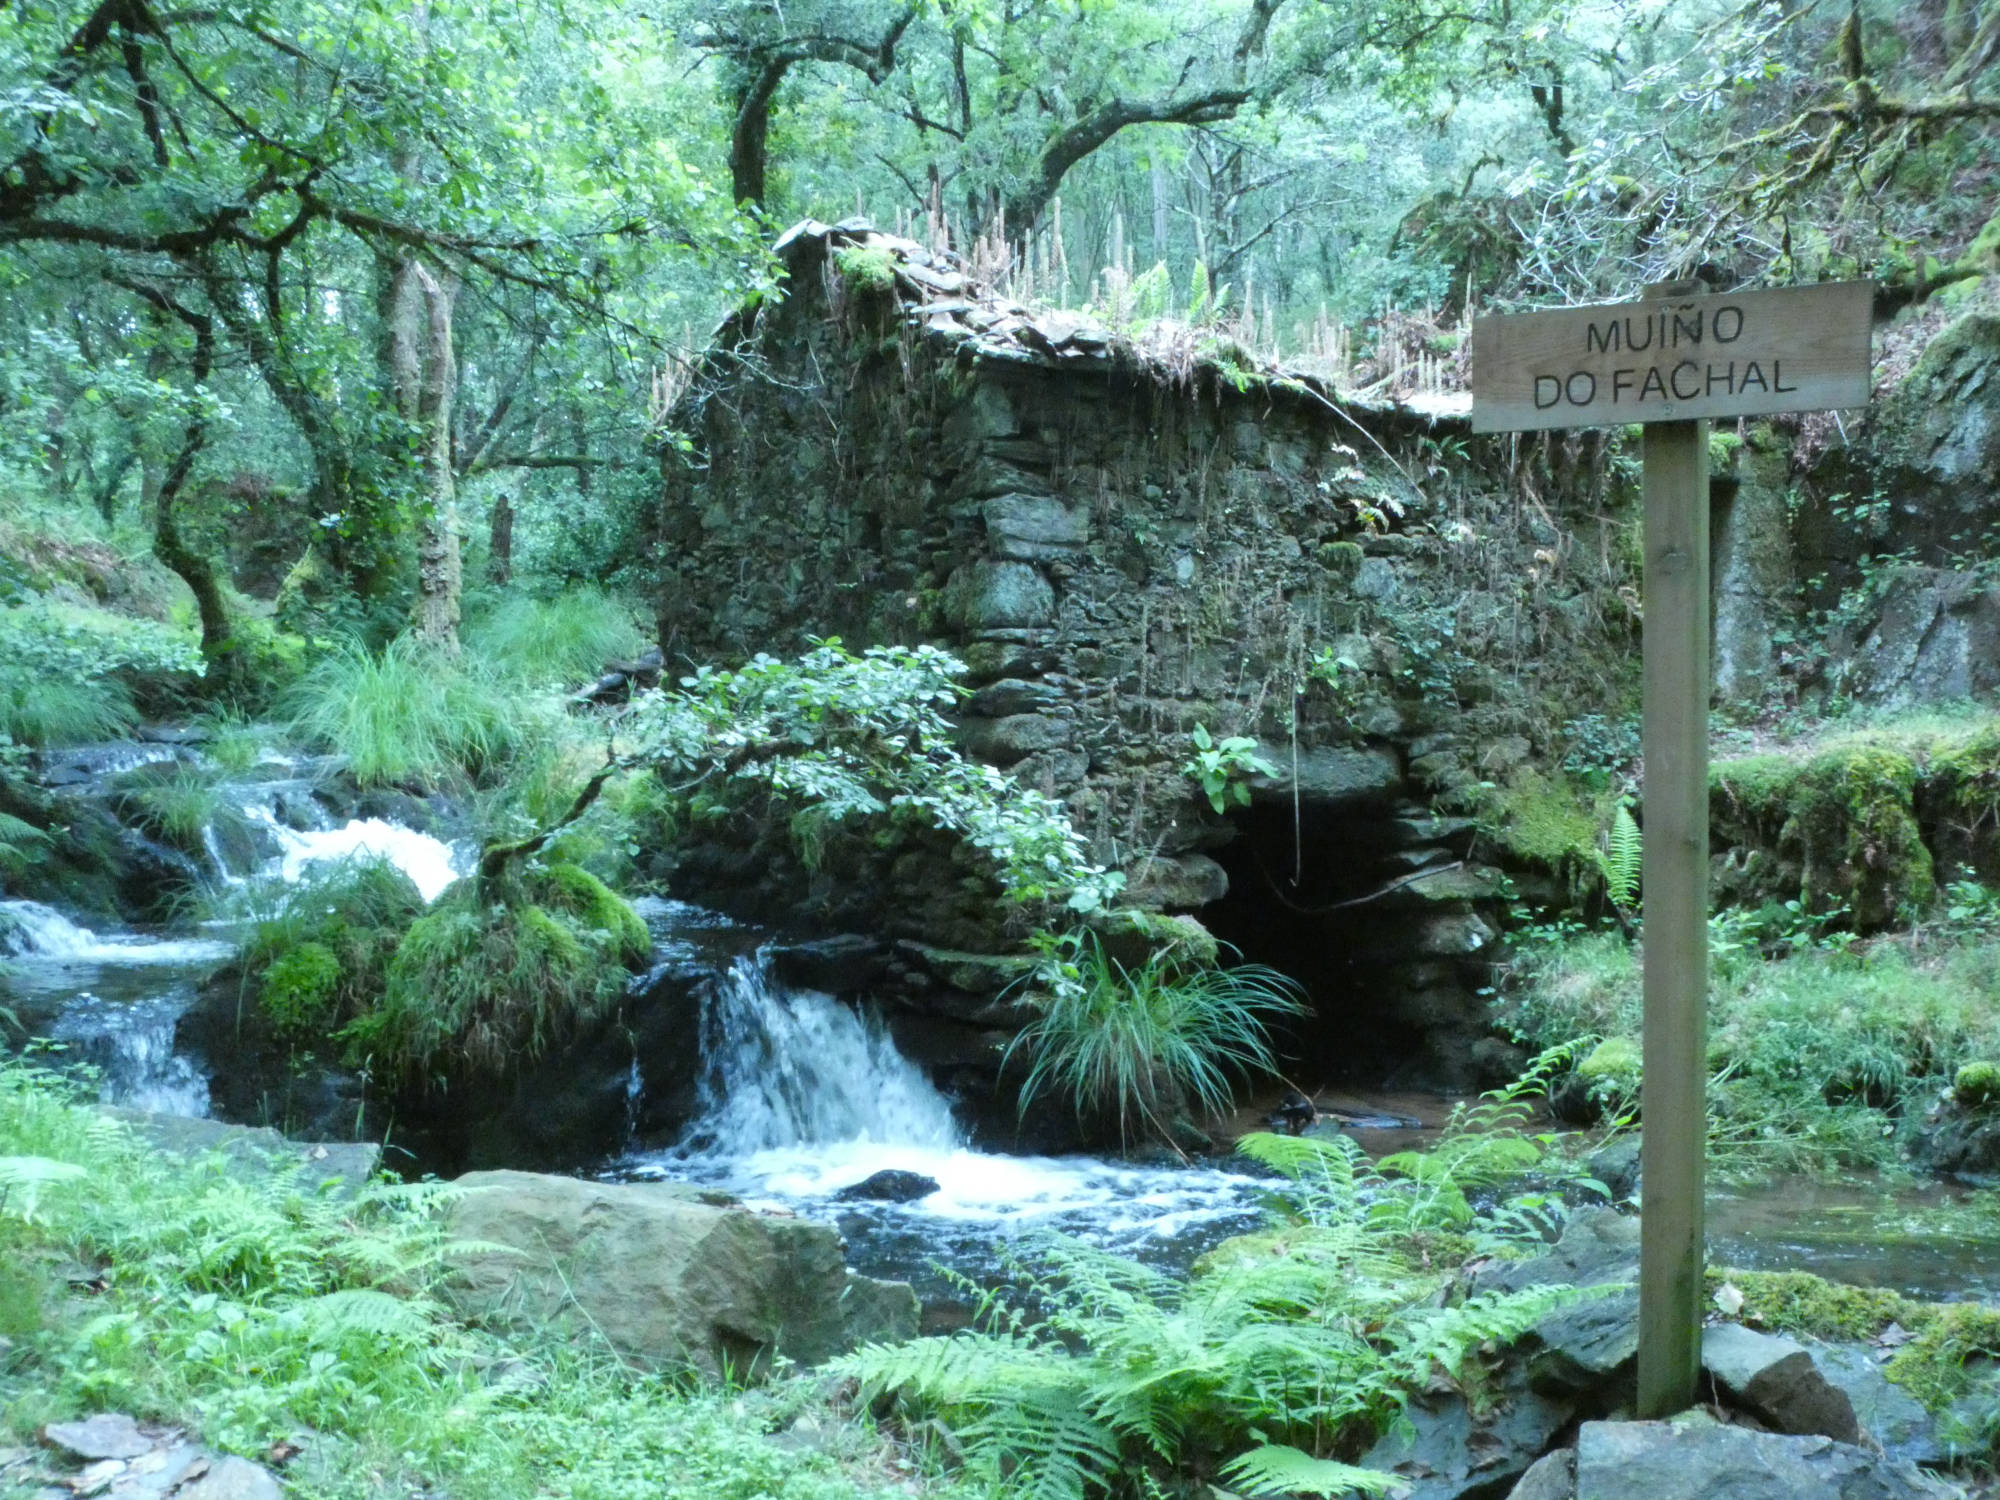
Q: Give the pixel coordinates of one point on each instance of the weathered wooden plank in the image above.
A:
(1674, 358)
(1673, 1105)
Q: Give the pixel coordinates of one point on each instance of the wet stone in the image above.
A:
(106, 1435)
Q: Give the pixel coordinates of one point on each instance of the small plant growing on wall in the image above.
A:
(1224, 768)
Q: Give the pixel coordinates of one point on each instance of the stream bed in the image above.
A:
(802, 1096)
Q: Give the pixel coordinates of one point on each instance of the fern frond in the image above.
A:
(1621, 858)
(358, 1312)
(1276, 1469)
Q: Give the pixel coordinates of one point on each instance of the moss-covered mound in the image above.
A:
(322, 959)
(476, 990)
(1836, 830)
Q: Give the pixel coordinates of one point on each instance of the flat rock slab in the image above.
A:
(106, 1435)
(232, 1479)
(1550, 1477)
(255, 1149)
(1776, 1381)
(110, 1456)
(1696, 1458)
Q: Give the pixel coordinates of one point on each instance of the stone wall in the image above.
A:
(1124, 543)
(1129, 539)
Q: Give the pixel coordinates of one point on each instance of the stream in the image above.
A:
(801, 1096)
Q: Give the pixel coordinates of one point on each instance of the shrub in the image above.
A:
(56, 662)
(1152, 1041)
(301, 992)
(566, 639)
(407, 714)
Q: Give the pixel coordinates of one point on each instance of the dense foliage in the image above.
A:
(1283, 1356)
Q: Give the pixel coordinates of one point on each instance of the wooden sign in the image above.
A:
(1674, 359)
(1671, 362)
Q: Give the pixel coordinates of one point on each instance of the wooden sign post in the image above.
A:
(1671, 362)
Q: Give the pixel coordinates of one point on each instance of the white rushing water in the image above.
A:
(802, 1096)
(430, 863)
(787, 1068)
(31, 931)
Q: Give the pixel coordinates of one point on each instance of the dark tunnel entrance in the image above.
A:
(1393, 967)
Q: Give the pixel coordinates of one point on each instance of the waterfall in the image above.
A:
(430, 863)
(784, 1067)
(131, 1045)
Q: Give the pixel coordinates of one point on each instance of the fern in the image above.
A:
(1620, 859)
(1274, 1468)
(331, 1319)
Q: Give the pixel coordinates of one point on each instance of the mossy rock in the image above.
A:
(1547, 821)
(1841, 826)
(1613, 1063)
(868, 270)
(1961, 792)
(1977, 1085)
(577, 893)
(1131, 936)
(301, 991)
(480, 991)
(1938, 1364)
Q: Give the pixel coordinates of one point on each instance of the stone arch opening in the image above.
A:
(1375, 907)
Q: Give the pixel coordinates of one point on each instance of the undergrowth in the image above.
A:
(564, 640)
(406, 715)
(1282, 1357)
(1823, 1050)
(260, 1310)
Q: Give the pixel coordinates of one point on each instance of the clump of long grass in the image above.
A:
(41, 709)
(408, 714)
(1151, 1042)
(177, 804)
(564, 639)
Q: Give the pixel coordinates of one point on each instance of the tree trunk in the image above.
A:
(196, 571)
(500, 544)
(424, 371)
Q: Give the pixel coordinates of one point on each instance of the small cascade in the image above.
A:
(130, 1044)
(430, 863)
(30, 931)
(786, 1068)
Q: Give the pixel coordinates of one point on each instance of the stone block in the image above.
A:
(999, 596)
(1776, 1381)
(1035, 528)
(1696, 1458)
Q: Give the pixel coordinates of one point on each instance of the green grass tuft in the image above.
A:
(407, 715)
(49, 711)
(561, 641)
(1151, 1042)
